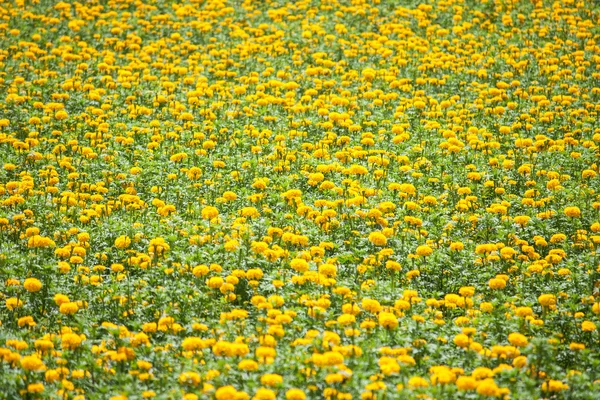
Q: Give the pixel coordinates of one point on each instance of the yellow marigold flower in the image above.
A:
(554, 386)
(229, 196)
(371, 305)
(461, 340)
(231, 245)
(295, 394)
(466, 383)
(346, 319)
(190, 378)
(60, 115)
(377, 238)
(329, 270)
(178, 157)
(264, 394)
(576, 346)
(122, 242)
(457, 246)
(271, 379)
(558, 238)
(393, 265)
(521, 220)
(145, 365)
(248, 365)
(32, 285)
(573, 212)
(61, 299)
(547, 300)
(71, 341)
(417, 382)
(482, 373)
(424, 251)
(215, 282)
(299, 265)
(35, 387)
(496, 283)
(520, 362)
(209, 212)
(419, 104)
(69, 308)
(357, 170)
(226, 393)
(488, 387)
(43, 345)
(26, 321)
(333, 358)
(193, 343)
(588, 173)
(149, 327)
(588, 326)
(517, 339)
(388, 320)
(186, 116)
(254, 274)
(200, 270)
(12, 282)
(32, 363)
(13, 303)
(40, 241)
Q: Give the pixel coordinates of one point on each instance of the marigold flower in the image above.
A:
(71, 341)
(271, 379)
(371, 305)
(554, 386)
(547, 300)
(35, 387)
(424, 251)
(60, 299)
(122, 242)
(417, 382)
(388, 320)
(466, 383)
(32, 285)
(209, 212)
(295, 394)
(26, 321)
(517, 339)
(573, 212)
(299, 265)
(190, 378)
(32, 363)
(248, 365)
(496, 283)
(488, 387)
(264, 394)
(226, 393)
(461, 340)
(13, 303)
(588, 326)
(68, 308)
(377, 239)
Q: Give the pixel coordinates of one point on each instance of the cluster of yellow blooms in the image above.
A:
(340, 199)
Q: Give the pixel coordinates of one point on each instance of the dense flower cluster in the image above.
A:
(340, 199)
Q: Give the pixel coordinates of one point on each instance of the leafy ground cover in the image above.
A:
(299, 200)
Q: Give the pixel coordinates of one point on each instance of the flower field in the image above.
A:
(299, 200)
